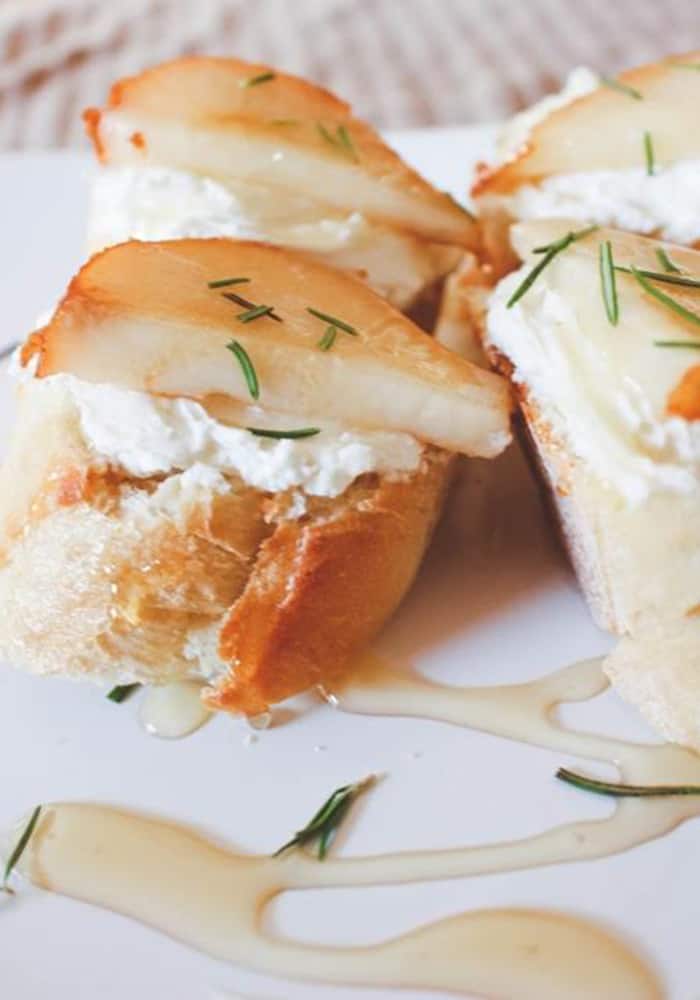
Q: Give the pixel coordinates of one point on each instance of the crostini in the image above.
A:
(227, 465)
(601, 343)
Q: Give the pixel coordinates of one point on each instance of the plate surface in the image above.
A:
(494, 603)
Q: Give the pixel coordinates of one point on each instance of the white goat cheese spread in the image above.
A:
(148, 435)
(161, 203)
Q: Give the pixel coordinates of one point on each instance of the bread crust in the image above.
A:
(322, 586)
(109, 576)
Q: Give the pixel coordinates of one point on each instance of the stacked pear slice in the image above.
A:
(143, 316)
(605, 129)
(242, 123)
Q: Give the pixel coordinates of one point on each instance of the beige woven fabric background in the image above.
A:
(400, 62)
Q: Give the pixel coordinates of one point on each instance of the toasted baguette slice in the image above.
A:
(124, 574)
(125, 579)
(659, 672)
(612, 418)
(141, 315)
(604, 130)
(203, 115)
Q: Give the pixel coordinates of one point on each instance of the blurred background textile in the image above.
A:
(399, 62)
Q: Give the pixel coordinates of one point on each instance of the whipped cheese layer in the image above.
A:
(599, 390)
(666, 204)
(148, 435)
(161, 203)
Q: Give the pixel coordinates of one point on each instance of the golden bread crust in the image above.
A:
(322, 586)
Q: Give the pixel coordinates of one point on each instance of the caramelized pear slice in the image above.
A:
(604, 130)
(203, 115)
(142, 316)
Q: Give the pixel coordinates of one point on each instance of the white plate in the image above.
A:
(495, 602)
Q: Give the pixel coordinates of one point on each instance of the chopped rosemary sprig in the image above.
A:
(19, 849)
(324, 825)
(345, 141)
(121, 692)
(671, 279)
(550, 250)
(328, 339)
(564, 240)
(253, 81)
(302, 432)
(247, 368)
(607, 281)
(240, 301)
(340, 141)
(666, 262)
(283, 121)
(649, 154)
(255, 313)
(223, 282)
(692, 345)
(622, 87)
(333, 321)
(666, 300)
(623, 791)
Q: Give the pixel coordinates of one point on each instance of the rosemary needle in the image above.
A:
(253, 81)
(247, 304)
(607, 281)
(19, 848)
(565, 240)
(121, 692)
(333, 321)
(550, 250)
(664, 299)
(324, 825)
(649, 154)
(346, 142)
(692, 345)
(666, 261)
(223, 282)
(247, 368)
(623, 88)
(255, 313)
(328, 339)
(671, 279)
(340, 141)
(621, 790)
(301, 432)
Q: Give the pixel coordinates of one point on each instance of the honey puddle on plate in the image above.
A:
(171, 711)
(211, 898)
